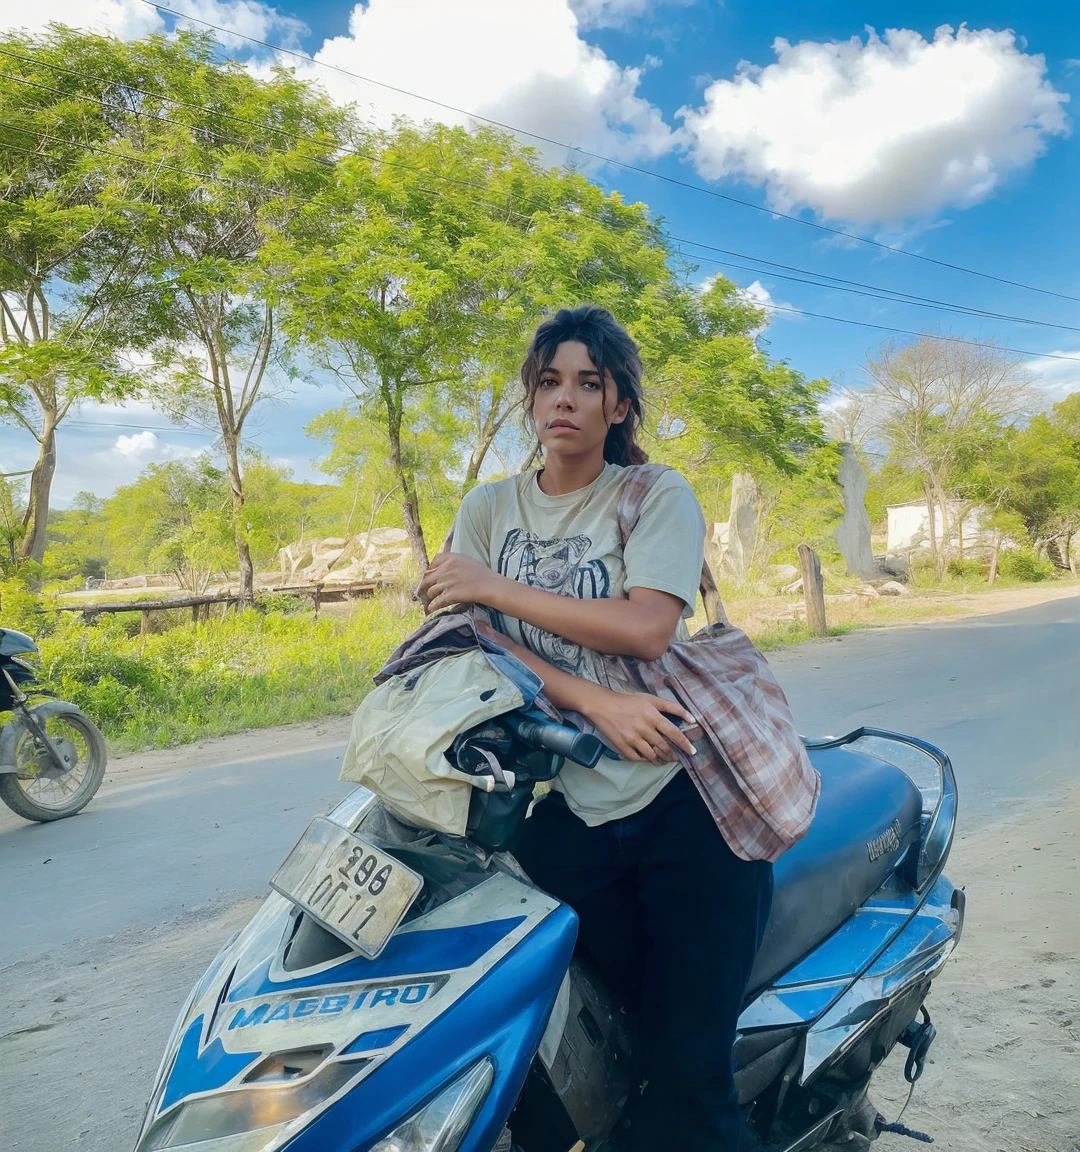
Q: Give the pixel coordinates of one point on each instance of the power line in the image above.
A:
(820, 316)
(912, 302)
(648, 172)
(912, 332)
(138, 427)
(894, 294)
(853, 287)
(871, 290)
(770, 307)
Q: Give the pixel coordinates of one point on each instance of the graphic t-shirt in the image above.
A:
(570, 545)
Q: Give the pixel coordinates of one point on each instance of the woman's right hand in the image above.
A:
(637, 725)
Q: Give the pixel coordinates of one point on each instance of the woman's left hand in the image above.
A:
(455, 579)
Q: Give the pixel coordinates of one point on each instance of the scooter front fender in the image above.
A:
(9, 734)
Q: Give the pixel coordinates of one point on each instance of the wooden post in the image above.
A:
(813, 589)
(994, 558)
(715, 613)
(144, 623)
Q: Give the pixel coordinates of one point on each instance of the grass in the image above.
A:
(246, 670)
(116, 595)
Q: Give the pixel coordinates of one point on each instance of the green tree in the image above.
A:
(724, 405)
(358, 458)
(72, 248)
(426, 268)
(565, 241)
(1034, 473)
(938, 407)
(226, 161)
(12, 528)
(173, 517)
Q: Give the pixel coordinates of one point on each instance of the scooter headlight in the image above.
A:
(441, 1125)
(248, 1119)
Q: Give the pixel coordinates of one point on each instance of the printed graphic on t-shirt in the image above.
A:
(555, 566)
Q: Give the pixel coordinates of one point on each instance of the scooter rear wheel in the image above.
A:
(39, 790)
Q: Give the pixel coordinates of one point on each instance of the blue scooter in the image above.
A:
(405, 991)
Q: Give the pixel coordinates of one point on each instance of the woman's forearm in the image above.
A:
(563, 689)
(615, 627)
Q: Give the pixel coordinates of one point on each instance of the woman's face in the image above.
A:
(572, 409)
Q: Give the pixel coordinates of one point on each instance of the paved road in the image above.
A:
(150, 876)
(998, 693)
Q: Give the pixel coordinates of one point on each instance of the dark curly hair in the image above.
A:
(613, 351)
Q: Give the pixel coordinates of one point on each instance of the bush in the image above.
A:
(249, 670)
(287, 603)
(1026, 565)
(20, 607)
(969, 569)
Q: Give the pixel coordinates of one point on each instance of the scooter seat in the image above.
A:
(868, 814)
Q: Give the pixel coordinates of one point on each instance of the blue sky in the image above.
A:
(955, 143)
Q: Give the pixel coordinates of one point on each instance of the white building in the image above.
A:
(909, 527)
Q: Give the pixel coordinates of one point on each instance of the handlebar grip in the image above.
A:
(561, 740)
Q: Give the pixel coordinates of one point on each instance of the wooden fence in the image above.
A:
(201, 605)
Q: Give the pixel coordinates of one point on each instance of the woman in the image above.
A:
(668, 913)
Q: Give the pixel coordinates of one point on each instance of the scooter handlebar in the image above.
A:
(559, 739)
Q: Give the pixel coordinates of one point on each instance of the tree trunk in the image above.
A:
(243, 551)
(36, 517)
(487, 428)
(410, 504)
(932, 523)
(944, 541)
(479, 453)
(476, 461)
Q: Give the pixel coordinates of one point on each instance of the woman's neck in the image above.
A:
(561, 476)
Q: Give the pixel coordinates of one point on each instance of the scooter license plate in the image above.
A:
(353, 889)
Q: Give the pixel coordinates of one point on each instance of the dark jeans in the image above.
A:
(673, 919)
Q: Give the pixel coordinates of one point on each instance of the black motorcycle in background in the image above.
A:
(52, 757)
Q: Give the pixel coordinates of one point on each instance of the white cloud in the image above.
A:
(758, 295)
(130, 19)
(1056, 379)
(891, 129)
(125, 18)
(521, 64)
(141, 446)
(244, 18)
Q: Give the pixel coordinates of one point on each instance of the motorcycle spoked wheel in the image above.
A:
(38, 790)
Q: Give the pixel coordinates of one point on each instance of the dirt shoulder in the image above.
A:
(779, 621)
(251, 744)
(994, 599)
(1006, 1071)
